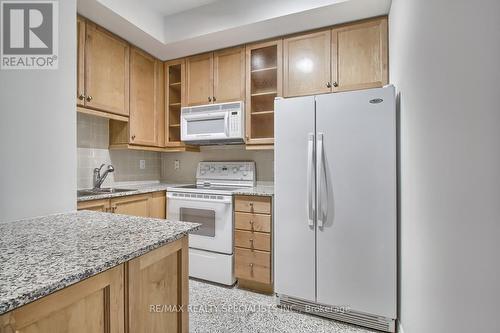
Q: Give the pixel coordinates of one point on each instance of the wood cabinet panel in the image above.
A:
(93, 305)
(106, 71)
(252, 265)
(175, 89)
(160, 112)
(252, 222)
(143, 94)
(252, 204)
(159, 277)
(157, 207)
(306, 64)
(229, 75)
(135, 205)
(252, 240)
(81, 33)
(199, 79)
(359, 55)
(95, 205)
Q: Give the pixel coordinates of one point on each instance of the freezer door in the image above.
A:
(294, 236)
(356, 234)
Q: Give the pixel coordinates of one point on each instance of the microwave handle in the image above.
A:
(226, 124)
(204, 116)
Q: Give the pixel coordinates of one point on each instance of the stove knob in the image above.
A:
(235, 169)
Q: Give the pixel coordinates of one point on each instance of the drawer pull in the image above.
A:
(251, 269)
(251, 244)
(251, 225)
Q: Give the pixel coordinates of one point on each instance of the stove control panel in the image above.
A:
(226, 171)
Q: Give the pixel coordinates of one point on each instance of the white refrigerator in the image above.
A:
(336, 206)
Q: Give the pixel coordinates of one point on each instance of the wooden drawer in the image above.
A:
(253, 265)
(253, 204)
(252, 240)
(252, 222)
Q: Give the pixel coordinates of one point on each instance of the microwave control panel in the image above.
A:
(235, 124)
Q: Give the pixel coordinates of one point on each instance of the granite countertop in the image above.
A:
(261, 188)
(138, 189)
(39, 256)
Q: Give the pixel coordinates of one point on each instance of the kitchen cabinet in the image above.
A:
(117, 300)
(106, 71)
(146, 95)
(93, 305)
(95, 205)
(263, 85)
(216, 77)
(307, 64)
(348, 57)
(80, 60)
(145, 205)
(159, 278)
(253, 242)
(359, 55)
(175, 92)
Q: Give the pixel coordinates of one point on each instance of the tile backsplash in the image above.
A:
(92, 151)
(264, 160)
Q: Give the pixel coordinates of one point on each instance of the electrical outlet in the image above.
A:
(177, 164)
(142, 164)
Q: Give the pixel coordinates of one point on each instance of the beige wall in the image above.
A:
(93, 141)
(189, 161)
(445, 62)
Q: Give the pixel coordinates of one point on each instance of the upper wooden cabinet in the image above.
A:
(263, 75)
(350, 57)
(306, 64)
(360, 55)
(199, 79)
(216, 77)
(146, 96)
(80, 35)
(175, 91)
(106, 71)
(229, 75)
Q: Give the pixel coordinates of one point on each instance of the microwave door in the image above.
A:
(213, 126)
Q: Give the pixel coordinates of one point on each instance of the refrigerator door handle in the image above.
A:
(310, 179)
(322, 199)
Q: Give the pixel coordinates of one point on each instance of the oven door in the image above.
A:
(205, 126)
(213, 212)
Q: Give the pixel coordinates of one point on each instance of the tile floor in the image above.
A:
(219, 309)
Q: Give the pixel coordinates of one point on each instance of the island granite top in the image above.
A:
(39, 256)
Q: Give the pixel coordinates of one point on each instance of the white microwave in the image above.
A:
(213, 123)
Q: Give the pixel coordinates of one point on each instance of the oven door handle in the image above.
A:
(225, 199)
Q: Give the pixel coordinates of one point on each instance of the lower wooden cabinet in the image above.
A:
(253, 243)
(93, 305)
(146, 294)
(144, 205)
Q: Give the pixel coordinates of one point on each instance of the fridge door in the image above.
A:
(356, 234)
(294, 236)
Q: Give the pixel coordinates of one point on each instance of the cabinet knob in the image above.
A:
(209, 99)
(133, 137)
(213, 98)
(89, 98)
(328, 85)
(335, 84)
(81, 97)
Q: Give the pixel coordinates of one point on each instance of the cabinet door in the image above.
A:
(159, 277)
(359, 55)
(95, 205)
(229, 75)
(93, 305)
(199, 79)
(306, 64)
(143, 92)
(106, 71)
(136, 205)
(157, 206)
(80, 35)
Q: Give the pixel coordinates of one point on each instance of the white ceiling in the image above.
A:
(170, 29)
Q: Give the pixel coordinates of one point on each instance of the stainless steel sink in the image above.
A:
(97, 191)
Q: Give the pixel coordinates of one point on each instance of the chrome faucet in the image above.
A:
(98, 179)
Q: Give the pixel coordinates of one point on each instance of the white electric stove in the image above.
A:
(210, 203)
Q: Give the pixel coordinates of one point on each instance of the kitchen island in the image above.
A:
(93, 272)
